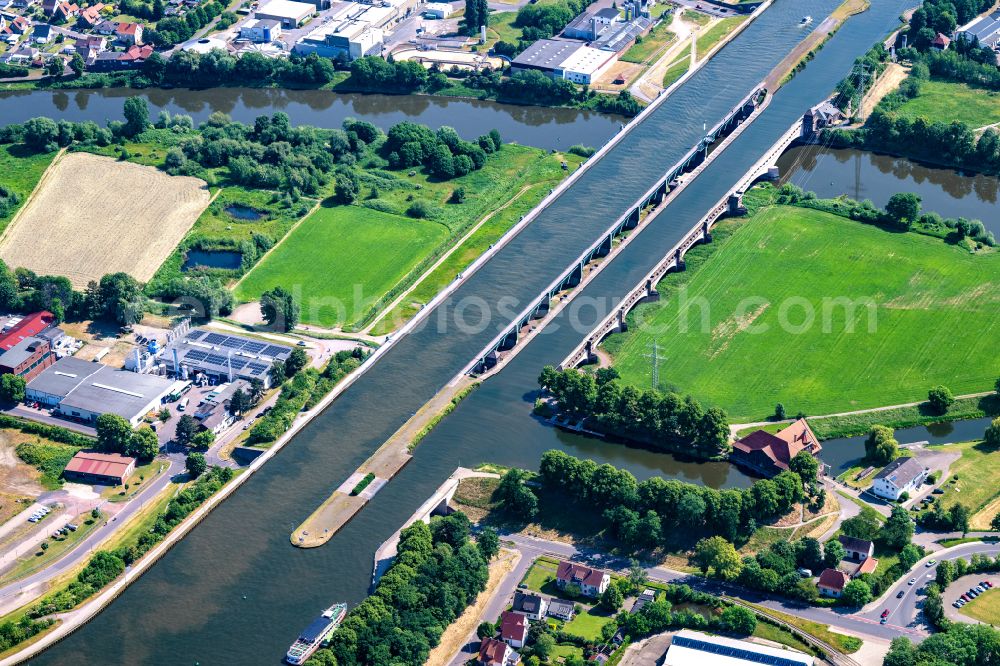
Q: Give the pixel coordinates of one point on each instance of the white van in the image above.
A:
(184, 403)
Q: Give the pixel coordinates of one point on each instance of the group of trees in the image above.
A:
(171, 30)
(376, 74)
(477, 14)
(934, 16)
(660, 615)
(443, 152)
(960, 644)
(953, 519)
(881, 447)
(437, 573)
(279, 309)
(306, 387)
(117, 297)
(217, 67)
(656, 511)
(864, 72)
(665, 421)
(105, 566)
(115, 435)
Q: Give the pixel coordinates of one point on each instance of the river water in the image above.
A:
(862, 175)
(530, 125)
(235, 592)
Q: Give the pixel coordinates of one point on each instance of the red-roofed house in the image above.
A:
(513, 629)
(770, 454)
(102, 468)
(591, 581)
(941, 42)
(867, 567)
(28, 327)
(90, 16)
(493, 652)
(831, 583)
(129, 33)
(19, 25)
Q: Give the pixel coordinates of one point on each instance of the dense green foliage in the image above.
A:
(658, 511)
(666, 421)
(52, 432)
(437, 573)
(960, 645)
(49, 459)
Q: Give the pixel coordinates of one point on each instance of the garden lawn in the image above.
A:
(734, 344)
(340, 261)
(588, 624)
(945, 102)
(976, 487)
(985, 608)
(20, 171)
(541, 574)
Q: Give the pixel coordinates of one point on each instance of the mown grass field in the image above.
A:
(752, 345)
(341, 260)
(20, 171)
(652, 44)
(976, 486)
(717, 33)
(545, 174)
(945, 101)
(677, 69)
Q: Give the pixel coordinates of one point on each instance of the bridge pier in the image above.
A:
(622, 325)
(542, 308)
(679, 264)
(706, 232)
(509, 340)
(632, 221)
(589, 356)
(605, 247)
(736, 206)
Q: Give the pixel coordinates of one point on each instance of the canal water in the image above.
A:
(235, 592)
(831, 172)
(529, 125)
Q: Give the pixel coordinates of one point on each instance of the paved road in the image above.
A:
(18, 593)
(903, 618)
(44, 416)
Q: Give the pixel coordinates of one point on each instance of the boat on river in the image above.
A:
(316, 635)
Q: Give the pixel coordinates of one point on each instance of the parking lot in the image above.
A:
(953, 594)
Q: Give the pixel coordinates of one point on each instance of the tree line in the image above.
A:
(665, 421)
(436, 574)
(656, 512)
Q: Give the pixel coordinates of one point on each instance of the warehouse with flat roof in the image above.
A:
(288, 13)
(82, 391)
(693, 648)
(222, 357)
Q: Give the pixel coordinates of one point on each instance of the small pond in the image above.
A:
(243, 212)
(227, 259)
(845, 452)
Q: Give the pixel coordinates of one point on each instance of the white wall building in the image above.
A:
(261, 31)
(288, 13)
(902, 475)
(585, 65)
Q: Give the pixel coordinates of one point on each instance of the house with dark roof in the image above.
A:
(513, 629)
(530, 605)
(27, 358)
(42, 33)
(647, 597)
(819, 117)
(831, 583)
(902, 475)
(857, 550)
(493, 652)
(591, 582)
(561, 609)
(769, 454)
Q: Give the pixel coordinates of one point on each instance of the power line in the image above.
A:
(654, 346)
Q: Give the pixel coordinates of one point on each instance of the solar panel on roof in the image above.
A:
(196, 356)
(215, 359)
(238, 363)
(234, 343)
(195, 335)
(274, 350)
(253, 347)
(735, 652)
(257, 366)
(215, 338)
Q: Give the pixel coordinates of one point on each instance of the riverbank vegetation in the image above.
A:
(436, 574)
(863, 307)
(666, 421)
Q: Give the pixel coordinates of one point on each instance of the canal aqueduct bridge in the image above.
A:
(645, 291)
(689, 165)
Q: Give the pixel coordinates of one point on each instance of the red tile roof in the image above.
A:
(832, 579)
(492, 651)
(101, 464)
(579, 574)
(868, 566)
(782, 446)
(31, 325)
(513, 626)
(127, 28)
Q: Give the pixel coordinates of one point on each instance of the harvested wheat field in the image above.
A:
(93, 215)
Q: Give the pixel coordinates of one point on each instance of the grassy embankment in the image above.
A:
(372, 251)
(546, 174)
(921, 308)
(972, 482)
(20, 171)
(652, 44)
(946, 101)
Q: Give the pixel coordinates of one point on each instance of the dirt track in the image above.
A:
(93, 215)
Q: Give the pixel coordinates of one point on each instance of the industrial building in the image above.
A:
(221, 357)
(353, 30)
(27, 358)
(288, 13)
(985, 29)
(604, 31)
(693, 648)
(563, 59)
(260, 31)
(108, 469)
(83, 390)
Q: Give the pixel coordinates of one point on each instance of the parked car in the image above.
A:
(885, 613)
(957, 605)
(883, 620)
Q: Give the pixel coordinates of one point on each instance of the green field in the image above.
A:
(677, 69)
(545, 174)
(651, 44)
(589, 623)
(976, 487)
(340, 261)
(742, 338)
(20, 171)
(945, 101)
(985, 608)
(717, 33)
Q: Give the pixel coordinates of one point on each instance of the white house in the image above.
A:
(531, 605)
(902, 475)
(513, 629)
(592, 582)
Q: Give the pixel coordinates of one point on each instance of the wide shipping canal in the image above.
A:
(235, 592)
